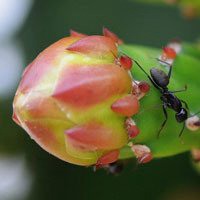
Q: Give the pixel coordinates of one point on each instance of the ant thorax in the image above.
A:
(171, 101)
(165, 90)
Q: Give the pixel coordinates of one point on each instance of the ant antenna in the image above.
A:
(182, 90)
(162, 61)
(170, 66)
(152, 81)
(137, 63)
(141, 68)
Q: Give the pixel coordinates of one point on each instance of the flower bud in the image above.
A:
(73, 100)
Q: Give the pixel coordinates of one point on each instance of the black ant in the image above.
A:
(160, 81)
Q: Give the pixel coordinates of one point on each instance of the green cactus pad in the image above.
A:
(149, 119)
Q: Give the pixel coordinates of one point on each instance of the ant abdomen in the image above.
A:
(181, 116)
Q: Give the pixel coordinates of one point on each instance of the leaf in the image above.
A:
(185, 71)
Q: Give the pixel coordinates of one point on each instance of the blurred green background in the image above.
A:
(29, 173)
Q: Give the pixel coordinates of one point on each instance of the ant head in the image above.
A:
(182, 115)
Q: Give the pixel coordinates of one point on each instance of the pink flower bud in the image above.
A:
(73, 100)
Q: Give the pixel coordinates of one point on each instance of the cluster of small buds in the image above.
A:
(139, 90)
(170, 51)
(193, 123)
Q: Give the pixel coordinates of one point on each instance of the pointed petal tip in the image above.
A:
(76, 34)
(94, 45)
(94, 137)
(111, 35)
(15, 119)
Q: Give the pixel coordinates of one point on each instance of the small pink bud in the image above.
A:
(133, 131)
(125, 62)
(126, 106)
(131, 127)
(144, 87)
(139, 89)
(142, 153)
(169, 53)
(176, 45)
(193, 123)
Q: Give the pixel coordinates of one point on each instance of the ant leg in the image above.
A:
(186, 105)
(183, 90)
(181, 132)
(152, 81)
(170, 67)
(164, 122)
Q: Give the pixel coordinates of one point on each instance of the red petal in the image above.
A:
(76, 34)
(108, 158)
(127, 106)
(111, 35)
(85, 86)
(42, 64)
(44, 136)
(93, 137)
(44, 107)
(94, 45)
